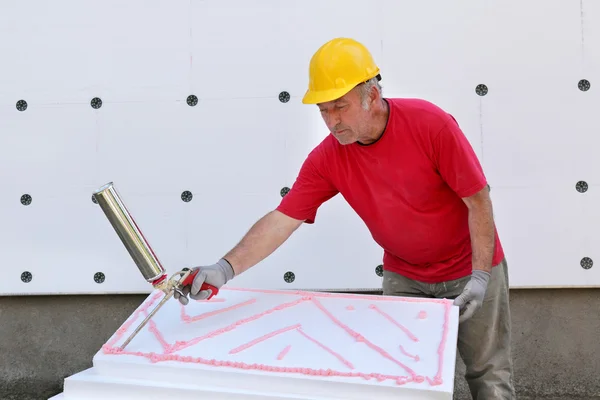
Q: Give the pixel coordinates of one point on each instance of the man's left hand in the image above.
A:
(471, 298)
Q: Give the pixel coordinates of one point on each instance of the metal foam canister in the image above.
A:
(129, 233)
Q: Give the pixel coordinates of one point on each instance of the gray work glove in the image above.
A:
(471, 298)
(216, 275)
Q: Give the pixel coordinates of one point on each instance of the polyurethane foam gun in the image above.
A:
(143, 256)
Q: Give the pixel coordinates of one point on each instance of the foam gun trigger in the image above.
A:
(190, 279)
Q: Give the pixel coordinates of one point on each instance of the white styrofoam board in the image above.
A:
(187, 327)
(89, 385)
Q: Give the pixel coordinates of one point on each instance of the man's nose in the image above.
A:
(335, 118)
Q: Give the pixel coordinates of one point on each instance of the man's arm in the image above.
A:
(263, 238)
(311, 189)
(299, 206)
(460, 168)
(481, 226)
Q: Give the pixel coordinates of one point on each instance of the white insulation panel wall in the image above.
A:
(193, 109)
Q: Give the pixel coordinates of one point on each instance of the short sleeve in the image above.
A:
(456, 160)
(311, 189)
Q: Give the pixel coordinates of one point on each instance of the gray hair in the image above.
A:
(366, 88)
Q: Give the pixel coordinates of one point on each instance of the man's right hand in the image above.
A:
(216, 275)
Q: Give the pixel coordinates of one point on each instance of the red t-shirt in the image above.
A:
(406, 187)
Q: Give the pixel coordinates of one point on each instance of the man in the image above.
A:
(409, 172)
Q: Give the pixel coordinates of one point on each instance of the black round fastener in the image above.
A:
(285, 190)
(284, 97)
(187, 196)
(99, 277)
(26, 200)
(289, 277)
(192, 100)
(26, 276)
(379, 270)
(94, 199)
(96, 102)
(581, 186)
(584, 85)
(586, 263)
(481, 89)
(21, 105)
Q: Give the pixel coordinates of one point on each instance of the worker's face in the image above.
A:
(346, 117)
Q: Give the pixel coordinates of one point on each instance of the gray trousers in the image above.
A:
(484, 340)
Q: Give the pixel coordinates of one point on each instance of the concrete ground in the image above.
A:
(45, 339)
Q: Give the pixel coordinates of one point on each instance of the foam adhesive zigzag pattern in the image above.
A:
(318, 345)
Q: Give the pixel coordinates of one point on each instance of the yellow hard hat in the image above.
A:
(336, 68)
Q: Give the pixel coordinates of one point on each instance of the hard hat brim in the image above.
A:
(312, 97)
(323, 96)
